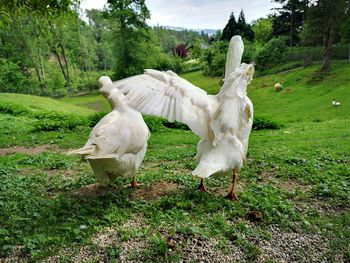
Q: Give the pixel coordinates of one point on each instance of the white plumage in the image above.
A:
(223, 122)
(335, 103)
(118, 143)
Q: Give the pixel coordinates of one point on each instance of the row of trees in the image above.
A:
(46, 48)
(296, 23)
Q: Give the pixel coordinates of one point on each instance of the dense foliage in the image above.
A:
(47, 48)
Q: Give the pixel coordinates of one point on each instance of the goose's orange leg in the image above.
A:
(134, 184)
(232, 194)
(201, 186)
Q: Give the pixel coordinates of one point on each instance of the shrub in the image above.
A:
(263, 123)
(272, 53)
(11, 77)
(95, 118)
(49, 160)
(154, 124)
(53, 121)
(175, 125)
(13, 109)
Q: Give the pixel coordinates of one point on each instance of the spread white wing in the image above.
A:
(167, 95)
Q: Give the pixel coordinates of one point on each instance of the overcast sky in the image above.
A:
(203, 14)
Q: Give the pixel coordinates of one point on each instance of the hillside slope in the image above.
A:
(302, 99)
(36, 103)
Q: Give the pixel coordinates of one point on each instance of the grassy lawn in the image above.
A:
(296, 178)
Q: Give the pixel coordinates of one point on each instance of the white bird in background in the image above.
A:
(118, 143)
(335, 103)
(223, 122)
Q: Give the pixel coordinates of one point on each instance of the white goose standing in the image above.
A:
(223, 122)
(118, 143)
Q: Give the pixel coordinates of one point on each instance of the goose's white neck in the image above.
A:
(116, 100)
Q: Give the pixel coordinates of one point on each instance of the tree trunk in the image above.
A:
(65, 63)
(329, 34)
(43, 86)
(60, 63)
(292, 27)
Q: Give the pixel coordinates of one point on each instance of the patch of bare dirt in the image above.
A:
(311, 204)
(157, 190)
(91, 190)
(290, 185)
(29, 150)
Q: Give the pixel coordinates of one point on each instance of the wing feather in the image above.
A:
(167, 95)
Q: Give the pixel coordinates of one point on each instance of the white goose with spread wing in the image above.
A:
(223, 122)
(118, 143)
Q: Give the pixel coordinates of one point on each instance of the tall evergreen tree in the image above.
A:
(244, 29)
(290, 19)
(239, 27)
(230, 28)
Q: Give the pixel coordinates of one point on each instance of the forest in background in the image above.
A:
(47, 48)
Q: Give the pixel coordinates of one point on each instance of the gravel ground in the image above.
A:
(293, 247)
(281, 247)
(198, 249)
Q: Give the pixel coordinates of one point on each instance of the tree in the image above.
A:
(272, 53)
(262, 29)
(27, 38)
(101, 31)
(237, 28)
(345, 28)
(290, 19)
(230, 29)
(332, 11)
(214, 59)
(130, 36)
(244, 29)
(323, 25)
(181, 50)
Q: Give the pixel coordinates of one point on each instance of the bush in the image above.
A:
(263, 123)
(95, 118)
(175, 125)
(53, 121)
(272, 53)
(214, 59)
(11, 77)
(13, 109)
(154, 124)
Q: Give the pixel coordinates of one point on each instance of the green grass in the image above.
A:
(302, 99)
(91, 101)
(298, 177)
(37, 104)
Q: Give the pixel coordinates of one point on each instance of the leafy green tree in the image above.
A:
(11, 77)
(101, 32)
(323, 25)
(272, 53)
(130, 36)
(262, 30)
(214, 59)
(345, 28)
